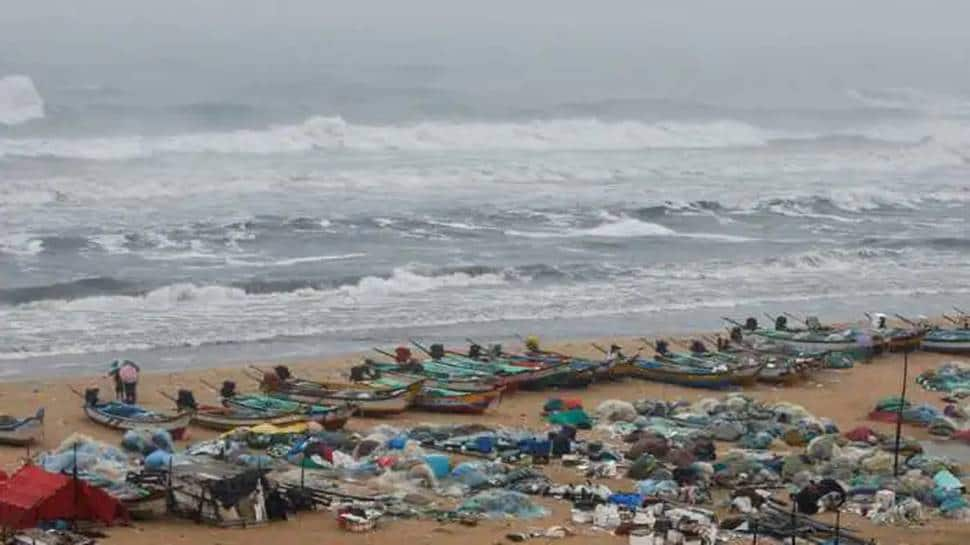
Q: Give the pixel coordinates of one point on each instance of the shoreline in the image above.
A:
(846, 396)
(666, 320)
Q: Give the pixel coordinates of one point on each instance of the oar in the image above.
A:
(77, 393)
(951, 320)
(600, 348)
(418, 345)
(209, 386)
(385, 353)
(167, 396)
(732, 322)
(907, 320)
(769, 316)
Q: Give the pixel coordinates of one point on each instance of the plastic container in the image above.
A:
(440, 465)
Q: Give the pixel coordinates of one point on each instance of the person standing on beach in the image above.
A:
(128, 375)
(113, 373)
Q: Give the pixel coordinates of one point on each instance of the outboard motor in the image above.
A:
(437, 351)
(357, 373)
(736, 334)
(781, 323)
(228, 389)
(91, 396)
(186, 400)
(813, 323)
(475, 351)
(662, 347)
(283, 372)
(751, 324)
(697, 347)
(495, 351)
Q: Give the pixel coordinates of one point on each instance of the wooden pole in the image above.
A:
(899, 414)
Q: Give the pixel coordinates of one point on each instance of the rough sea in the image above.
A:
(244, 229)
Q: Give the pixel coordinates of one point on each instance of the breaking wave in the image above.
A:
(19, 101)
(333, 133)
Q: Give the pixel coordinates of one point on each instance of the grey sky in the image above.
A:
(749, 50)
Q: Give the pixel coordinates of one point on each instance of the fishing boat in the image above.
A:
(950, 341)
(435, 398)
(329, 416)
(369, 402)
(120, 416)
(222, 418)
(657, 371)
(432, 376)
(514, 376)
(21, 431)
(811, 341)
(577, 372)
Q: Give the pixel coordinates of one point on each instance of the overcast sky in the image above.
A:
(734, 46)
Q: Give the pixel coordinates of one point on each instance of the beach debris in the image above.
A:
(357, 518)
(952, 378)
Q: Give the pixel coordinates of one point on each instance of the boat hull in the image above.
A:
(385, 406)
(222, 419)
(812, 347)
(27, 432)
(467, 403)
(175, 425)
(946, 347)
(668, 375)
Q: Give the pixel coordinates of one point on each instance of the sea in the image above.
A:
(335, 215)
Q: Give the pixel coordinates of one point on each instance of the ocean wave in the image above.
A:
(626, 227)
(333, 133)
(908, 98)
(19, 101)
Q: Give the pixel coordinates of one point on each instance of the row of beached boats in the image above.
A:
(476, 379)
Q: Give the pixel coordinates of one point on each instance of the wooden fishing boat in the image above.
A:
(515, 376)
(812, 341)
(329, 416)
(21, 431)
(439, 375)
(574, 373)
(120, 416)
(221, 418)
(950, 341)
(656, 371)
(744, 371)
(368, 402)
(437, 399)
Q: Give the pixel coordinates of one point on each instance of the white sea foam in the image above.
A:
(20, 244)
(19, 101)
(333, 133)
(625, 227)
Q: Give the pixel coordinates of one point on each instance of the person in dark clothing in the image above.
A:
(114, 374)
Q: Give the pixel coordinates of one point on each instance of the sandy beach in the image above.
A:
(843, 395)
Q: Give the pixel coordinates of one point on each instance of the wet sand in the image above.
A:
(846, 396)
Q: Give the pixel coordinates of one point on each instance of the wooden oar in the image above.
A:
(384, 353)
(167, 396)
(418, 345)
(209, 386)
(951, 320)
(732, 322)
(907, 320)
(599, 348)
